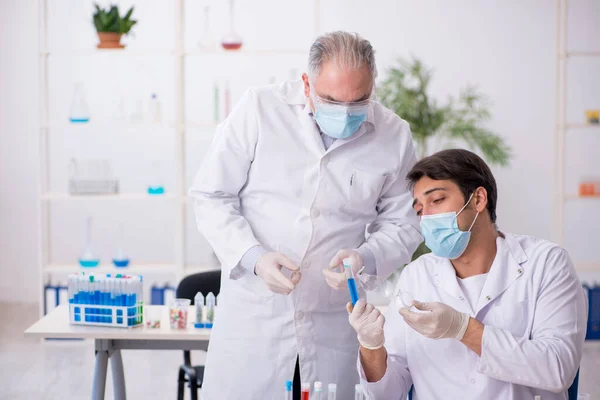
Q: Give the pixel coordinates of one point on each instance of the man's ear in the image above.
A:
(481, 199)
(306, 84)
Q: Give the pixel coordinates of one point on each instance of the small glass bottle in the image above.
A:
(154, 110)
(80, 112)
(318, 388)
(288, 390)
(358, 392)
(231, 41)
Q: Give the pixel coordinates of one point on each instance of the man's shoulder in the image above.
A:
(534, 247)
(424, 265)
(388, 121)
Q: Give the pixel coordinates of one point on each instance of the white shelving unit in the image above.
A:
(564, 127)
(177, 199)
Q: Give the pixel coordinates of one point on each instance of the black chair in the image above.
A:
(204, 282)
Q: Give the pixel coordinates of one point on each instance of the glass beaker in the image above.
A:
(178, 313)
(207, 42)
(231, 41)
(153, 316)
(80, 112)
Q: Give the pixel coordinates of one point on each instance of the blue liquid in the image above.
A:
(353, 291)
(89, 263)
(156, 190)
(79, 120)
(121, 263)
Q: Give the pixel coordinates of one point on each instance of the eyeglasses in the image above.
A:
(342, 107)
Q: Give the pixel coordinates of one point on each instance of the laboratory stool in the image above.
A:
(204, 282)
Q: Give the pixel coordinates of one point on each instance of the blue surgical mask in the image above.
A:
(339, 124)
(442, 235)
(339, 120)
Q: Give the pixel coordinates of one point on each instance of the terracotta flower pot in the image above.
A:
(110, 40)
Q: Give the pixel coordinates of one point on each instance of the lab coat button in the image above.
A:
(520, 271)
(462, 298)
(488, 298)
(315, 213)
(472, 380)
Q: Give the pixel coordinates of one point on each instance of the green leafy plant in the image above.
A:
(462, 119)
(108, 20)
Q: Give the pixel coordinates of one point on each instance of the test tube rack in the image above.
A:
(105, 300)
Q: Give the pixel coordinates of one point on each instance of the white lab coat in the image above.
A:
(535, 315)
(268, 180)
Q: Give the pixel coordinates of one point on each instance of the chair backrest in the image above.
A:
(574, 388)
(204, 282)
(572, 392)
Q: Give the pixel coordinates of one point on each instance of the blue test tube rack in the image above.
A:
(104, 300)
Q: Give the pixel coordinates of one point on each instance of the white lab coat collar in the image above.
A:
(505, 270)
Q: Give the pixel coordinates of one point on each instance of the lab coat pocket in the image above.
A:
(512, 316)
(365, 189)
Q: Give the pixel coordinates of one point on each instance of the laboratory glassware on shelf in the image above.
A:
(91, 176)
(80, 112)
(216, 103)
(207, 41)
(104, 300)
(154, 110)
(199, 307)
(120, 260)
(88, 259)
(156, 187)
(231, 41)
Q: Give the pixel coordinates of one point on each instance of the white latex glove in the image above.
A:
(368, 323)
(268, 267)
(337, 280)
(440, 322)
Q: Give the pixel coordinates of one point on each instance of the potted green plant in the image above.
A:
(110, 26)
(460, 122)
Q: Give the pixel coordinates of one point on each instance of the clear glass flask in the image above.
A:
(156, 186)
(120, 260)
(88, 259)
(79, 113)
(231, 41)
(358, 392)
(207, 42)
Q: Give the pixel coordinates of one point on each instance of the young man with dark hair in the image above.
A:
(499, 315)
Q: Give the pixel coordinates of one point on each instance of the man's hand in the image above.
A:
(368, 323)
(268, 267)
(337, 280)
(439, 322)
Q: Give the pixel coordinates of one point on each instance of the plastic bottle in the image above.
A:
(199, 306)
(210, 310)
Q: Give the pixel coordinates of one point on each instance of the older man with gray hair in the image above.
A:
(294, 177)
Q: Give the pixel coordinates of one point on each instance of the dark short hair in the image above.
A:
(462, 167)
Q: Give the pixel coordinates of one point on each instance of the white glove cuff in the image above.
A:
(464, 323)
(368, 347)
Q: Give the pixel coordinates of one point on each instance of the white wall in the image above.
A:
(18, 151)
(507, 48)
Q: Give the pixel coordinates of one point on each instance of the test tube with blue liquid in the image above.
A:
(351, 282)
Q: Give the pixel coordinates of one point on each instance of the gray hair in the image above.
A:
(348, 50)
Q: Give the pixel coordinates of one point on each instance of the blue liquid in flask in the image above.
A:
(353, 291)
